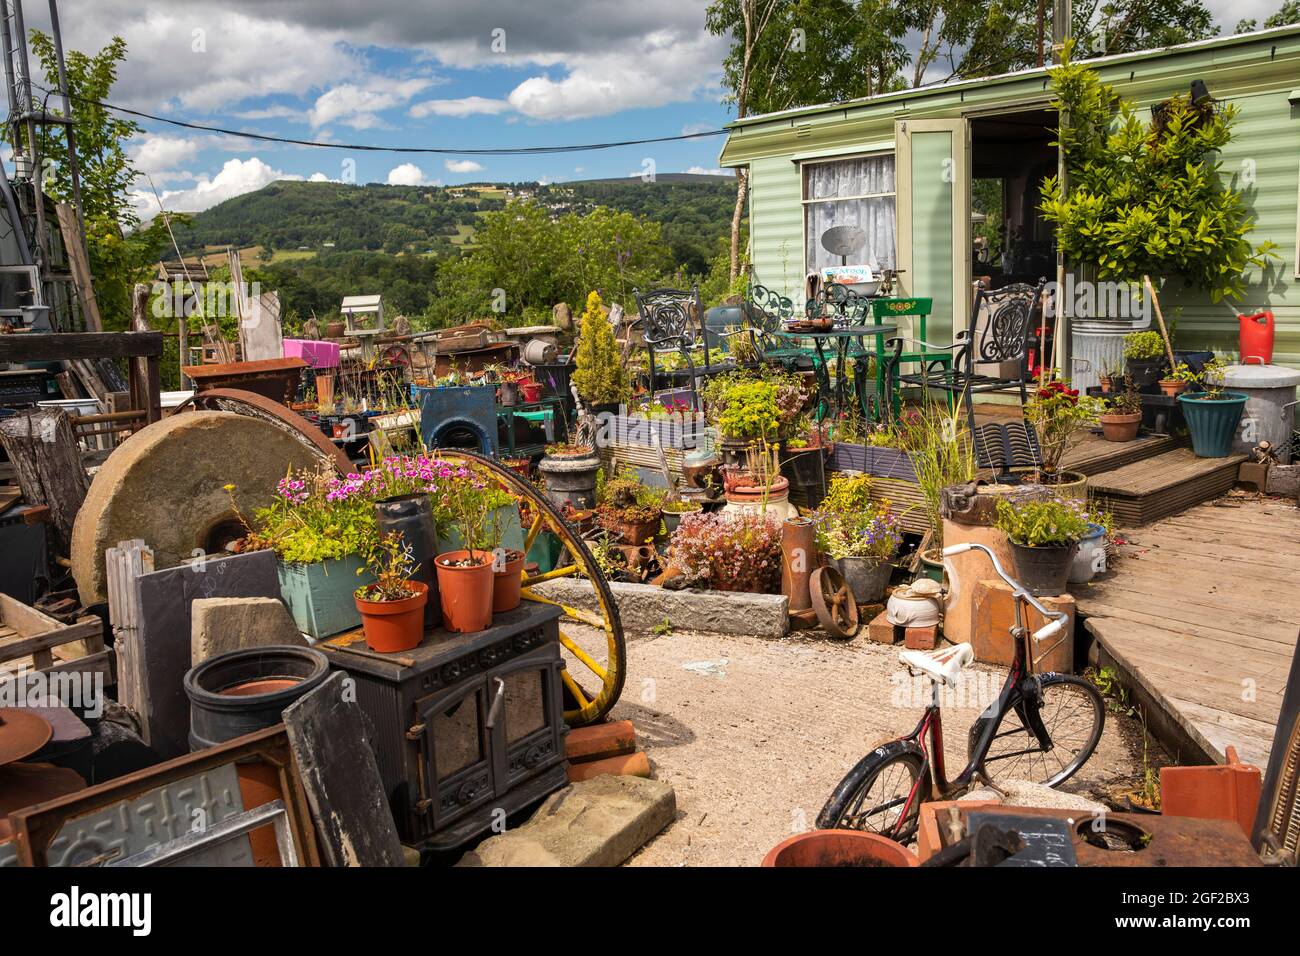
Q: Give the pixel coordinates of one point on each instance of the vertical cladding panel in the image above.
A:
(1263, 161)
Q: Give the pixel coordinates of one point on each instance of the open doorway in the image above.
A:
(1011, 155)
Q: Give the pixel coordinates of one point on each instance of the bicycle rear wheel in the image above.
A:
(1073, 714)
(882, 794)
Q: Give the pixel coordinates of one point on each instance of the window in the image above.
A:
(850, 192)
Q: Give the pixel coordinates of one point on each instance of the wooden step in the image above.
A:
(1094, 455)
(1165, 484)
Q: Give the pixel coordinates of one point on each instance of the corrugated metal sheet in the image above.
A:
(1255, 73)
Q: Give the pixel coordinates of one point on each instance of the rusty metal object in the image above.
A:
(976, 503)
(36, 827)
(252, 404)
(798, 555)
(833, 602)
(1276, 833)
(276, 379)
(22, 733)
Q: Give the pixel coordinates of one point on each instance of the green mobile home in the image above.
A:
(925, 171)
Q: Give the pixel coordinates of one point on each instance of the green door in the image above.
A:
(933, 177)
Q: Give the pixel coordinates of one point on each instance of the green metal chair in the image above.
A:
(895, 308)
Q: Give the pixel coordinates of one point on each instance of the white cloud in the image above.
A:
(270, 112)
(237, 176)
(159, 154)
(320, 178)
(465, 106)
(713, 171)
(463, 166)
(409, 174)
(356, 105)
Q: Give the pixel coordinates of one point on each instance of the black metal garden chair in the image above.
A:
(990, 355)
(672, 320)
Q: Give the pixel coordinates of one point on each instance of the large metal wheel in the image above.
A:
(595, 653)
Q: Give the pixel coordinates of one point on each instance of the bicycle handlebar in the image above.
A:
(1056, 620)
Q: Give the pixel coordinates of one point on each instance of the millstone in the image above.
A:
(166, 485)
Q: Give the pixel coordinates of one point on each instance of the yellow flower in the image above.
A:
(228, 487)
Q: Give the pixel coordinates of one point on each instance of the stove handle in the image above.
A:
(497, 700)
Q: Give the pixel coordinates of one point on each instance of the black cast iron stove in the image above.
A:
(465, 727)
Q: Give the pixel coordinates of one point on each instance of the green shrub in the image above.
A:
(600, 376)
(1144, 346)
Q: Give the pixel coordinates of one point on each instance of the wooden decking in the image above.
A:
(1200, 616)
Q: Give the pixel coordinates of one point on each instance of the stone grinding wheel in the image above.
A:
(166, 485)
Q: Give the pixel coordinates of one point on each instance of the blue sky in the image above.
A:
(489, 73)
(470, 73)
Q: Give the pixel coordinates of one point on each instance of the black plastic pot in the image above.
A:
(218, 712)
(1044, 570)
(1146, 372)
(411, 516)
(805, 469)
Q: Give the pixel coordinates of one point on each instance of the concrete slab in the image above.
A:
(598, 822)
(224, 624)
(643, 607)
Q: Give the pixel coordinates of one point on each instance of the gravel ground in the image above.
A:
(755, 733)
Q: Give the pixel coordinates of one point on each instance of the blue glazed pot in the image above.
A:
(1212, 422)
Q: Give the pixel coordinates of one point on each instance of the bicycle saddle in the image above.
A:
(943, 665)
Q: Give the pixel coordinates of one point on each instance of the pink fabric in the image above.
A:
(314, 353)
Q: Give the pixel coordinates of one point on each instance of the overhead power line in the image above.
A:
(360, 147)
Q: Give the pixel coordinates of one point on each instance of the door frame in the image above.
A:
(959, 127)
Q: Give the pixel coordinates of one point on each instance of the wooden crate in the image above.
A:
(31, 640)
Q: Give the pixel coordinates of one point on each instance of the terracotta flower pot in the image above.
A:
(507, 583)
(634, 532)
(1119, 427)
(1172, 386)
(393, 626)
(530, 391)
(838, 848)
(466, 590)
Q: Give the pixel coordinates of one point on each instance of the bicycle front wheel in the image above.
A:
(1071, 711)
(882, 794)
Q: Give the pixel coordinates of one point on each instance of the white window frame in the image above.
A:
(804, 201)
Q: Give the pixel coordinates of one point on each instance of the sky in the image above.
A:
(438, 73)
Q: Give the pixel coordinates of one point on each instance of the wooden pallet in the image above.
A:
(1165, 484)
(32, 640)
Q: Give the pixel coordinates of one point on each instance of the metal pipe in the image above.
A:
(74, 174)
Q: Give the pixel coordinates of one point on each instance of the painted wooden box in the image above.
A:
(319, 596)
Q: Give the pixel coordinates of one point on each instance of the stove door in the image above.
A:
(456, 752)
(528, 719)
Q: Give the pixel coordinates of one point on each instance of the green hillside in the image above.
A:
(297, 219)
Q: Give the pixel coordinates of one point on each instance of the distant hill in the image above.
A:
(295, 219)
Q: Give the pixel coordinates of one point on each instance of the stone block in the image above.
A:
(643, 607)
(598, 822)
(224, 624)
(995, 614)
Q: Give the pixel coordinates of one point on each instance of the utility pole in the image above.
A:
(1062, 29)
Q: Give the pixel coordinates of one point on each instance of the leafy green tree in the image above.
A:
(1145, 197)
(1288, 13)
(121, 252)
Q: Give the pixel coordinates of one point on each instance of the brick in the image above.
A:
(995, 614)
(881, 631)
(921, 638)
(600, 740)
(629, 765)
(1253, 473)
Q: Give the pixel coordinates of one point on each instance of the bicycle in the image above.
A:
(1052, 722)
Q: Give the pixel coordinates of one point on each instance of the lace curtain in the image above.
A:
(876, 216)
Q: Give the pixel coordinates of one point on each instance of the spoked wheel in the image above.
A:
(880, 795)
(591, 640)
(1073, 714)
(833, 601)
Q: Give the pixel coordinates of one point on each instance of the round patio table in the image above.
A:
(841, 338)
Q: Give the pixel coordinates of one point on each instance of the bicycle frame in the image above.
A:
(1017, 692)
